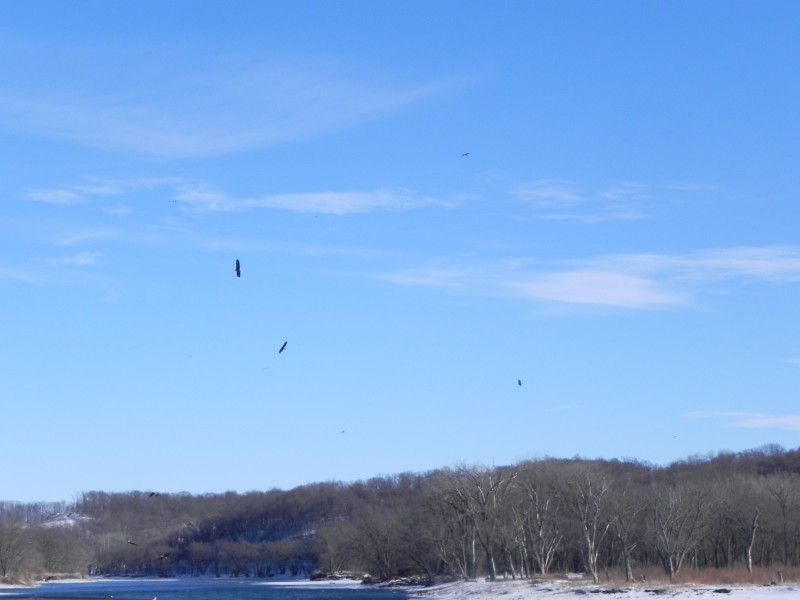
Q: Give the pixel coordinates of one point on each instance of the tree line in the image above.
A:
(533, 518)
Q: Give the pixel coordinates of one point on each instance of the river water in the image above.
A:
(198, 589)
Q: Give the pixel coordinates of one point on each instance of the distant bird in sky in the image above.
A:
(238, 269)
(132, 543)
(151, 494)
(283, 347)
(465, 154)
(163, 556)
(519, 381)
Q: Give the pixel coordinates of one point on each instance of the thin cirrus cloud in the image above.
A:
(599, 288)
(55, 196)
(202, 198)
(17, 274)
(748, 420)
(91, 235)
(227, 107)
(568, 287)
(632, 281)
(81, 259)
(97, 187)
(45, 271)
(563, 200)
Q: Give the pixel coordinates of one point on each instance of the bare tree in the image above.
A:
(629, 507)
(677, 512)
(61, 550)
(378, 541)
(453, 533)
(481, 494)
(785, 491)
(587, 500)
(14, 547)
(335, 546)
(738, 501)
(538, 513)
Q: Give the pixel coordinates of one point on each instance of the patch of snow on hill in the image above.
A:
(64, 519)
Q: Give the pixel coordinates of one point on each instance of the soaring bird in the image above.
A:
(163, 556)
(465, 154)
(132, 543)
(283, 347)
(238, 269)
(519, 381)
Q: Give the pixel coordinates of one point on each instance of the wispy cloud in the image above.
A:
(773, 263)
(18, 274)
(229, 105)
(750, 420)
(600, 288)
(343, 203)
(202, 197)
(97, 188)
(470, 280)
(558, 199)
(119, 211)
(54, 270)
(207, 199)
(574, 287)
(778, 264)
(630, 281)
(89, 235)
(55, 196)
(81, 259)
(259, 245)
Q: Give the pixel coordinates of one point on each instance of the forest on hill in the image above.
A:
(549, 515)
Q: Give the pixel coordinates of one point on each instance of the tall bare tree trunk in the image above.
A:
(751, 542)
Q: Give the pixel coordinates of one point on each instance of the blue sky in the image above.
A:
(429, 200)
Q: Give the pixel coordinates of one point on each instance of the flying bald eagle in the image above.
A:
(238, 269)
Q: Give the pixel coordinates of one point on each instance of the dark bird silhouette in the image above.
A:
(132, 543)
(153, 494)
(465, 154)
(238, 269)
(283, 347)
(163, 556)
(519, 381)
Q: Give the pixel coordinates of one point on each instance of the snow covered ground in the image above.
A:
(551, 590)
(563, 590)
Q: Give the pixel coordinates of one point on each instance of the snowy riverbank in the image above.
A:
(563, 589)
(555, 589)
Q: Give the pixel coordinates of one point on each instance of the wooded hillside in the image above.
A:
(535, 517)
